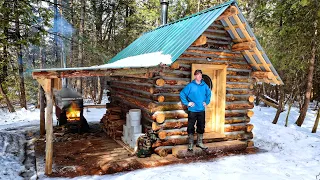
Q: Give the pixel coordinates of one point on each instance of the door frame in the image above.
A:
(220, 94)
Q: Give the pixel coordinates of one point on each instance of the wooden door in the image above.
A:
(215, 111)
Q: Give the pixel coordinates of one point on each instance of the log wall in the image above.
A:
(158, 96)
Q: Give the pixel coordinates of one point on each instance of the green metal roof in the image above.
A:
(173, 38)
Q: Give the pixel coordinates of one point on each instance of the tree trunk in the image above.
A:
(23, 101)
(316, 123)
(287, 117)
(4, 59)
(4, 95)
(305, 106)
(81, 34)
(280, 107)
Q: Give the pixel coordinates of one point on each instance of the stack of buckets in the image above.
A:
(132, 129)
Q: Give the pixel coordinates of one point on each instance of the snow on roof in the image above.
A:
(143, 60)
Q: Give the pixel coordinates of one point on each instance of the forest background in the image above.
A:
(41, 33)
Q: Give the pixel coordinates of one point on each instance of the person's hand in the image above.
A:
(191, 104)
(204, 104)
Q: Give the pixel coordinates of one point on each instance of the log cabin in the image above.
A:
(150, 73)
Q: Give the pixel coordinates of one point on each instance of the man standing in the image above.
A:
(196, 95)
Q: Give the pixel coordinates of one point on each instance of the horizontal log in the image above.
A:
(238, 79)
(262, 75)
(239, 106)
(235, 120)
(235, 97)
(132, 102)
(227, 57)
(162, 134)
(131, 85)
(175, 75)
(168, 89)
(167, 106)
(171, 142)
(243, 46)
(238, 73)
(179, 140)
(235, 113)
(235, 127)
(163, 151)
(216, 25)
(215, 36)
(240, 135)
(239, 91)
(176, 82)
(238, 85)
(221, 42)
(204, 61)
(170, 124)
(174, 114)
(207, 52)
(131, 79)
(133, 92)
(200, 41)
(166, 97)
(89, 72)
(211, 30)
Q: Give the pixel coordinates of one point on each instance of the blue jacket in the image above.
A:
(197, 93)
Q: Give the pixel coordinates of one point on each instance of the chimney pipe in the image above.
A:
(164, 11)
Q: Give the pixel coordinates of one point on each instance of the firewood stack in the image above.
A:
(112, 122)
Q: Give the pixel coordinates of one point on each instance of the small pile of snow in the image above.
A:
(143, 60)
(11, 155)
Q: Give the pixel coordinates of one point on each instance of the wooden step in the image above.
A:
(213, 148)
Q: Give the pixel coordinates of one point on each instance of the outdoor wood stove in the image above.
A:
(69, 110)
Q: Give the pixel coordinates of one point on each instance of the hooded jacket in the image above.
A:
(197, 93)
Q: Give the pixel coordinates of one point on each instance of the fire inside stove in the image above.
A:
(73, 112)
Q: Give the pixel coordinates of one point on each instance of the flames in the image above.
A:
(73, 112)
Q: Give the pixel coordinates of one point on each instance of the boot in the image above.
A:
(199, 142)
(190, 145)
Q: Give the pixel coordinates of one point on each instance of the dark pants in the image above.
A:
(192, 118)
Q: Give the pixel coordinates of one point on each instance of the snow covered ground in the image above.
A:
(287, 152)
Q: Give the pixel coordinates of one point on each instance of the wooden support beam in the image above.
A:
(243, 46)
(242, 28)
(49, 127)
(200, 41)
(265, 65)
(262, 75)
(72, 72)
(253, 61)
(232, 10)
(233, 30)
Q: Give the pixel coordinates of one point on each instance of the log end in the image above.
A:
(249, 127)
(160, 118)
(160, 82)
(250, 113)
(162, 135)
(160, 98)
(251, 99)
